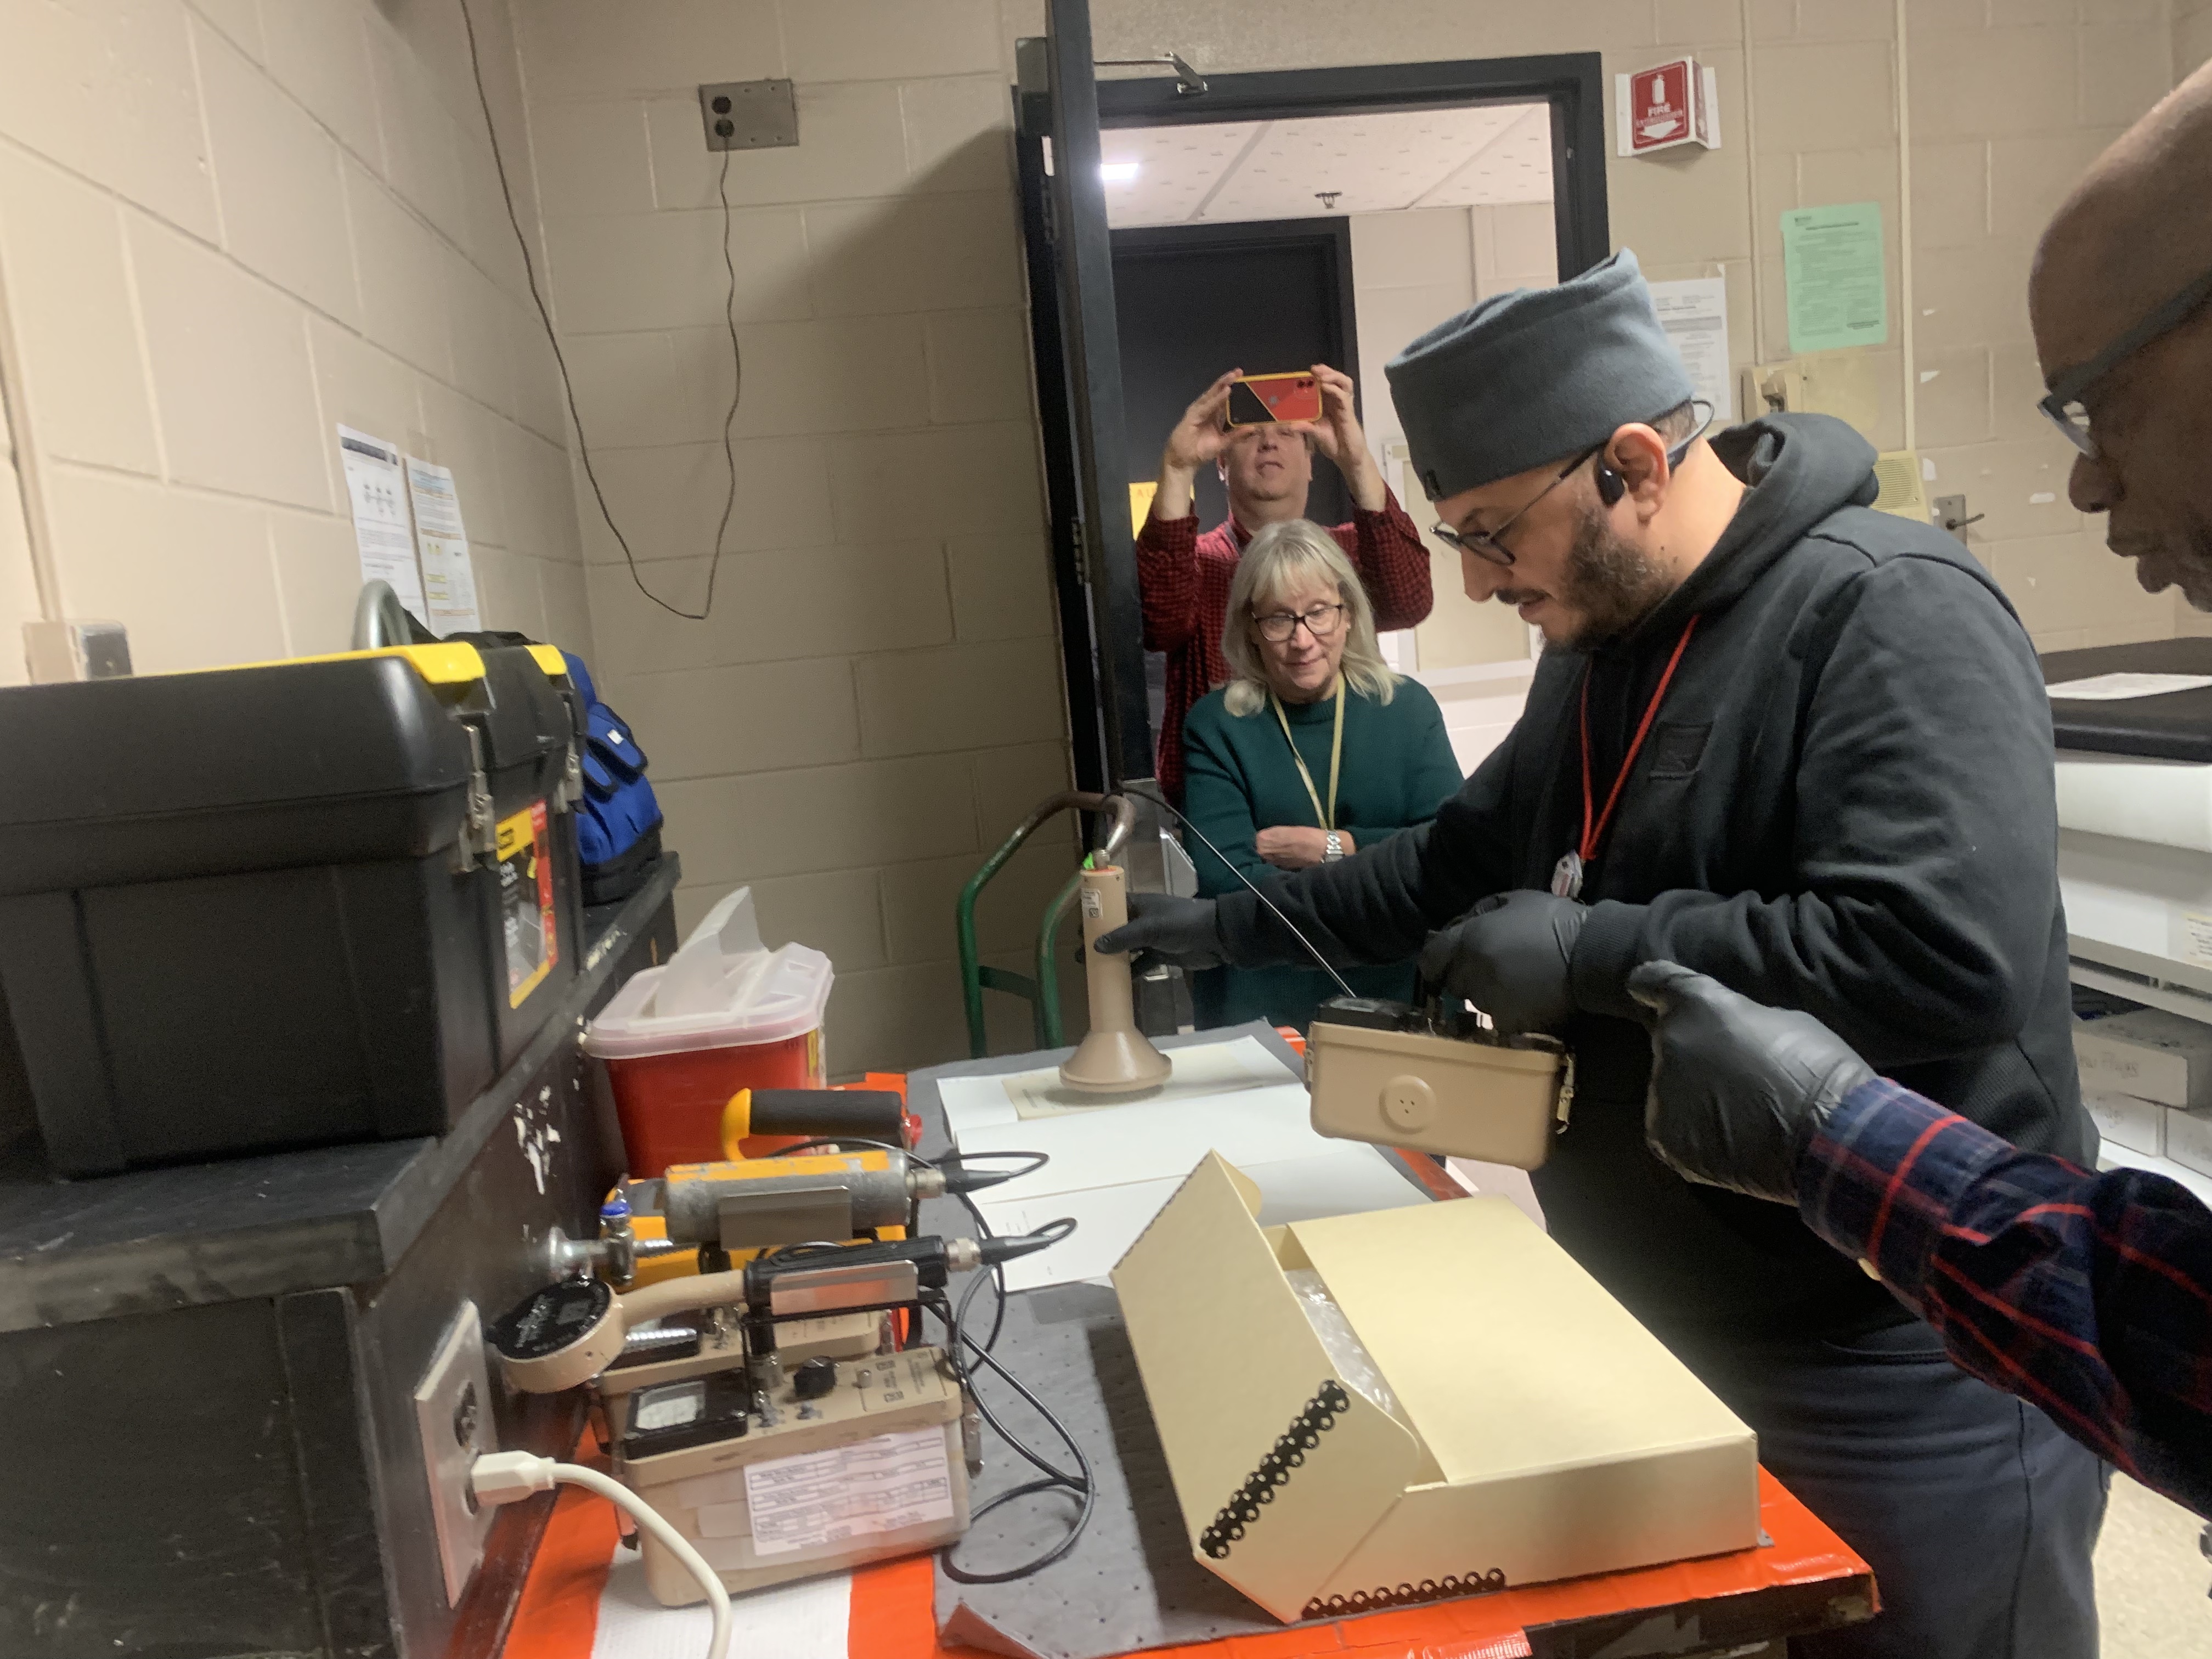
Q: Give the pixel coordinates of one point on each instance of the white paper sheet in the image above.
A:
(1112, 1168)
(1214, 1068)
(808, 1619)
(1144, 1142)
(1695, 314)
(1347, 1179)
(2118, 688)
(383, 529)
(449, 581)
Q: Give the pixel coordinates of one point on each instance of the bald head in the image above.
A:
(2136, 232)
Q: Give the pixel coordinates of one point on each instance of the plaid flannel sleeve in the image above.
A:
(1393, 562)
(1168, 580)
(2089, 1295)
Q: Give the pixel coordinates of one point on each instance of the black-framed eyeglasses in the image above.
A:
(1321, 621)
(2063, 407)
(1486, 545)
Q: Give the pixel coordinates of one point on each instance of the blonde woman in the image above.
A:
(1313, 749)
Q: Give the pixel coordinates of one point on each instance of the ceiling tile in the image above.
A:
(1236, 171)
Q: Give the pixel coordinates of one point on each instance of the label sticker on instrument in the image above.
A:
(2194, 937)
(1093, 905)
(884, 1484)
(525, 902)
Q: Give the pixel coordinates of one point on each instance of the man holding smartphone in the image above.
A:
(1267, 468)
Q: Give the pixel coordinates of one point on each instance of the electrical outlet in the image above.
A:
(452, 1410)
(750, 114)
(59, 651)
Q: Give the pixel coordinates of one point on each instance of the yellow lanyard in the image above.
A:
(1335, 756)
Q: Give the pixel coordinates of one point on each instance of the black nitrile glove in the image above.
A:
(1509, 956)
(1180, 932)
(1737, 1088)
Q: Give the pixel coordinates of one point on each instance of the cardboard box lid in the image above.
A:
(1508, 1365)
(1533, 1367)
(1254, 1506)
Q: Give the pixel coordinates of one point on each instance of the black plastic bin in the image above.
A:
(302, 903)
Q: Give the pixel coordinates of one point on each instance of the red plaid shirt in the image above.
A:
(2090, 1295)
(1184, 580)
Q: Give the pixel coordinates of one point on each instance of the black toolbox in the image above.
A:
(311, 902)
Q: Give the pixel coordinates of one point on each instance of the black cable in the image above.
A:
(560, 360)
(997, 1275)
(730, 418)
(1159, 799)
(1037, 1161)
(1084, 1484)
(831, 1143)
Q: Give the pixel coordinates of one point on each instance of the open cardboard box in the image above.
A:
(1532, 1429)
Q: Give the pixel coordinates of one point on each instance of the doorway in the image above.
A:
(1192, 300)
(1102, 421)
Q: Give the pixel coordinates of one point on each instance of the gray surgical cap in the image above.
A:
(1534, 376)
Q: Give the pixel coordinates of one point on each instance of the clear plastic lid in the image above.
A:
(723, 989)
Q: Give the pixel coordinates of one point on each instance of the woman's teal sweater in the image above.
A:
(1398, 768)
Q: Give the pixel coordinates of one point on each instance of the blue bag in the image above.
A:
(618, 821)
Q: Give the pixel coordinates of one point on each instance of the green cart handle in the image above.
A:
(1043, 990)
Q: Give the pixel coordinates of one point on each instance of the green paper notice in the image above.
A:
(1832, 263)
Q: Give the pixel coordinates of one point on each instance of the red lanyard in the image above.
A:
(1593, 832)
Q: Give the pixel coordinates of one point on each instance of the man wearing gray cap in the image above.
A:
(1802, 747)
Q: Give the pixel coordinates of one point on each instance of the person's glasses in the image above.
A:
(1321, 621)
(1486, 543)
(2063, 407)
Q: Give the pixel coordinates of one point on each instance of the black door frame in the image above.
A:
(1105, 663)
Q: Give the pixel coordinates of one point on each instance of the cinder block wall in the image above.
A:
(226, 226)
(2193, 36)
(2008, 99)
(875, 701)
(885, 438)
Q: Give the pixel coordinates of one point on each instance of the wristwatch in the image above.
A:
(1333, 848)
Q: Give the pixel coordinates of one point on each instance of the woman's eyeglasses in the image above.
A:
(1321, 621)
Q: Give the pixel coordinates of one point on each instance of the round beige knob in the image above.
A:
(1409, 1103)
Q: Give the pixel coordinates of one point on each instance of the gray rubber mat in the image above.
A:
(1130, 1584)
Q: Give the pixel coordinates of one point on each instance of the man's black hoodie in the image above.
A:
(1845, 806)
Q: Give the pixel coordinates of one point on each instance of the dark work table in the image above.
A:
(150, 1240)
(2175, 725)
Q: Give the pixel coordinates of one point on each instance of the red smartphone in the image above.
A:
(1257, 399)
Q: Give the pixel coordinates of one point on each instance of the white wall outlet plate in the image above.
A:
(452, 1409)
(55, 652)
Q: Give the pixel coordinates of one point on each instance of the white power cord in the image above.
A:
(509, 1477)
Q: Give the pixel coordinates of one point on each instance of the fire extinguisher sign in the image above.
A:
(1664, 106)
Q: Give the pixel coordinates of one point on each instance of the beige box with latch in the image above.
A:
(1473, 1096)
(1373, 1410)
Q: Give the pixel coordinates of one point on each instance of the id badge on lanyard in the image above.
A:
(1567, 873)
